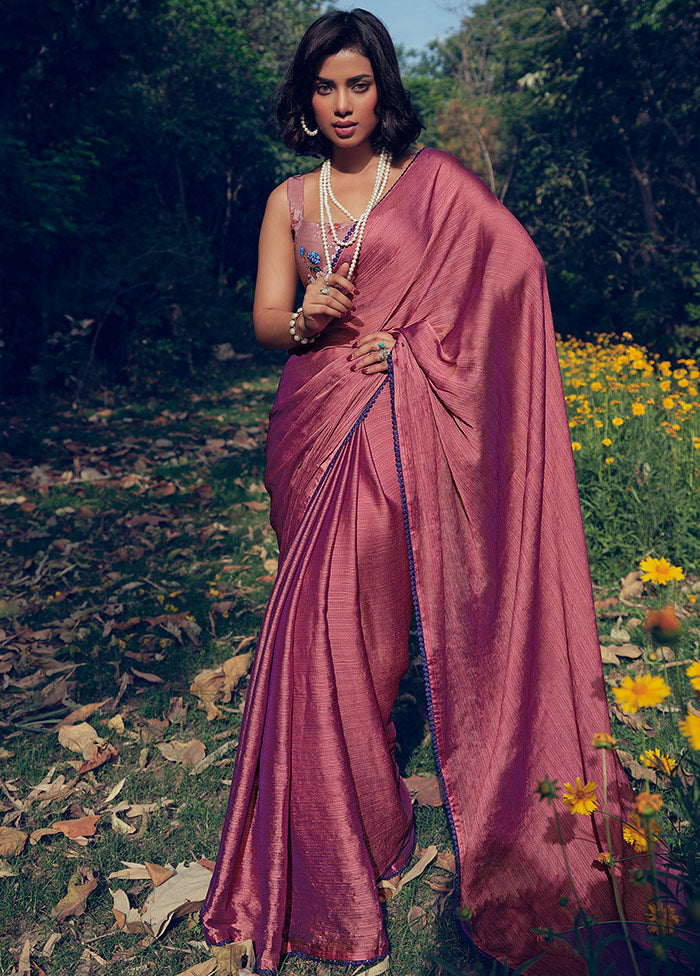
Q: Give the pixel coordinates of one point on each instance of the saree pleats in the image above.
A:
(318, 812)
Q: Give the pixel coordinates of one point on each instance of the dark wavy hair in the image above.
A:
(343, 30)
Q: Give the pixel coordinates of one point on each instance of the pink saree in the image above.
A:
(445, 489)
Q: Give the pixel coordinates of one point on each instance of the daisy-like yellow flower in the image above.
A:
(665, 385)
(580, 798)
(599, 423)
(655, 759)
(660, 571)
(575, 446)
(609, 460)
(607, 442)
(667, 403)
(603, 740)
(617, 421)
(641, 692)
(638, 409)
(596, 386)
(635, 834)
(690, 727)
(693, 672)
(661, 918)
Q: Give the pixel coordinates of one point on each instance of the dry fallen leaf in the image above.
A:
(183, 894)
(158, 874)
(80, 738)
(80, 827)
(206, 968)
(632, 585)
(238, 957)
(73, 902)
(608, 655)
(12, 841)
(417, 919)
(446, 860)
(635, 768)
(126, 917)
(424, 790)
(80, 714)
(187, 753)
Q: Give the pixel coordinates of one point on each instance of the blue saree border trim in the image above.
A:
(424, 660)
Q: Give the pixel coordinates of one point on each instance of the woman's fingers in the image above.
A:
(370, 353)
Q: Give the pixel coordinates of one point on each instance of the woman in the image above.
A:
(408, 474)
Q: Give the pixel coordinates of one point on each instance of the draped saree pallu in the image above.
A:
(446, 489)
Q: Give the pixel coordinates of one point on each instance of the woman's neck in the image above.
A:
(353, 159)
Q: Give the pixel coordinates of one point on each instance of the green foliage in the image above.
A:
(586, 115)
(137, 149)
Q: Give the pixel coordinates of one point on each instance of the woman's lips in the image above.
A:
(344, 128)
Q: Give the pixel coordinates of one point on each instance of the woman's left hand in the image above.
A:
(369, 353)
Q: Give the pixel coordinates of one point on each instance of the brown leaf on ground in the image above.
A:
(635, 768)
(211, 683)
(187, 753)
(417, 918)
(234, 958)
(12, 841)
(158, 874)
(126, 917)
(206, 968)
(73, 903)
(634, 721)
(609, 601)
(102, 755)
(424, 790)
(24, 966)
(80, 827)
(608, 655)
(627, 650)
(446, 861)
(80, 738)
(80, 714)
(183, 894)
(153, 678)
(632, 586)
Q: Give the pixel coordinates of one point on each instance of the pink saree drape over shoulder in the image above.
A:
(448, 489)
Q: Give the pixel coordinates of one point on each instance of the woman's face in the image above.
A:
(344, 98)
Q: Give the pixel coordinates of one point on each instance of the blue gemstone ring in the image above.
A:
(382, 345)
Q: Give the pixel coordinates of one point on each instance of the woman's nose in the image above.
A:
(342, 103)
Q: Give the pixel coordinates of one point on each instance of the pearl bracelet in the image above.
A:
(295, 334)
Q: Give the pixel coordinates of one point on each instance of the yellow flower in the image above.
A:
(607, 441)
(640, 692)
(575, 446)
(647, 804)
(596, 386)
(609, 460)
(665, 385)
(603, 740)
(580, 798)
(638, 409)
(690, 727)
(660, 571)
(605, 857)
(693, 672)
(661, 918)
(635, 834)
(655, 759)
(667, 402)
(599, 424)
(617, 421)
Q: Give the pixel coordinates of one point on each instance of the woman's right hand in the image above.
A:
(319, 309)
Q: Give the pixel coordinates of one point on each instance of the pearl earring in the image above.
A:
(310, 132)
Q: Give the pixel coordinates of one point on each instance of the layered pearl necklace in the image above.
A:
(357, 233)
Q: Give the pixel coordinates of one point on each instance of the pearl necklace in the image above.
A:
(357, 233)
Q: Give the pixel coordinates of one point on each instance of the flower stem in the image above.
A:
(655, 882)
(618, 900)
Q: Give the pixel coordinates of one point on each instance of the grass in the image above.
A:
(138, 541)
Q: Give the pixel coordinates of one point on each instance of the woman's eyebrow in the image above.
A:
(350, 81)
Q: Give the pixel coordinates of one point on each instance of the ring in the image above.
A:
(382, 345)
(325, 290)
(384, 354)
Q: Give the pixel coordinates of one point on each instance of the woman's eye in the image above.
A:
(322, 89)
(361, 88)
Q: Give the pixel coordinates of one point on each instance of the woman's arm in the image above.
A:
(276, 284)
